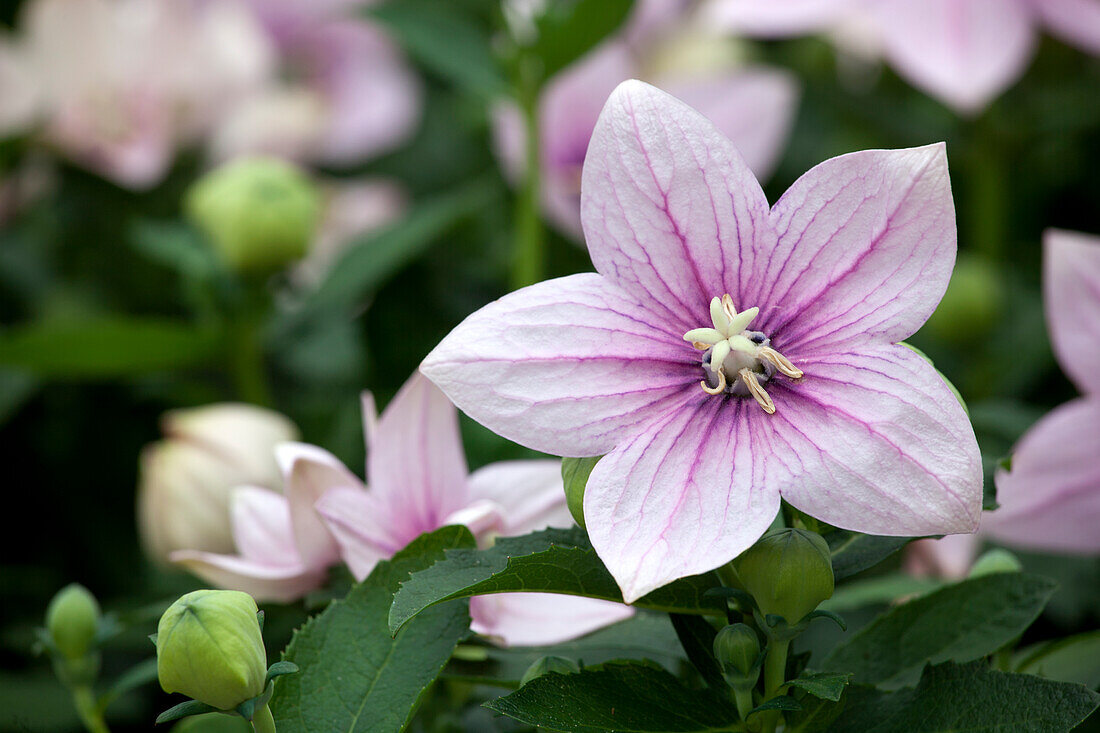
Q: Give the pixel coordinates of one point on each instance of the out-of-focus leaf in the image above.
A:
(177, 246)
(697, 637)
(1073, 659)
(446, 41)
(570, 28)
(106, 347)
(959, 623)
(853, 552)
(16, 387)
(882, 589)
(825, 685)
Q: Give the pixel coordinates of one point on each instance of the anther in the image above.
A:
(721, 385)
(758, 392)
(782, 364)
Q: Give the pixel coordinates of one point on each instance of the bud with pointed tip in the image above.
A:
(788, 572)
(547, 664)
(260, 213)
(737, 649)
(209, 647)
(72, 619)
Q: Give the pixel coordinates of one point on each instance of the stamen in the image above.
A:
(721, 385)
(750, 381)
(728, 307)
(700, 345)
(780, 362)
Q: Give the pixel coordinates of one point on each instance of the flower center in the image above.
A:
(736, 360)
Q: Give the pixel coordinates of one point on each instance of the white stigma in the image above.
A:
(737, 354)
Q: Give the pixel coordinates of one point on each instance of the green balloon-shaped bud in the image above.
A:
(72, 618)
(737, 649)
(972, 305)
(788, 572)
(547, 664)
(574, 474)
(995, 561)
(260, 213)
(209, 647)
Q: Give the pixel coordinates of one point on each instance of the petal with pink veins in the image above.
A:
(262, 581)
(686, 495)
(538, 619)
(567, 366)
(1071, 288)
(262, 527)
(310, 472)
(876, 442)
(360, 526)
(1050, 500)
(530, 493)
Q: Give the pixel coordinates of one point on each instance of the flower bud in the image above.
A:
(209, 647)
(972, 305)
(574, 474)
(72, 619)
(547, 664)
(788, 572)
(260, 213)
(994, 561)
(186, 479)
(737, 649)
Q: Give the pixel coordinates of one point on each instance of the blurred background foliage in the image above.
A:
(111, 311)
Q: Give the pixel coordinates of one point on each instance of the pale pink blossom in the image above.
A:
(419, 482)
(754, 106)
(802, 391)
(963, 52)
(948, 557)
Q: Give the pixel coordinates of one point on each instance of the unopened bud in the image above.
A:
(788, 572)
(260, 213)
(994, 561)
(972, 305)
(72, 619)
(737, 649)
(545, 665)
(575, 473)
(209, 647)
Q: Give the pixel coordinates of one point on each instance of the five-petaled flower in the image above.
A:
(813, 400)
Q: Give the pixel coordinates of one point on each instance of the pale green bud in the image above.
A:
(972, 305)
(575, 473)
(788, 572)
(72, 619)
(209, 647)
(737, 649)
(547, 664)
(996, 560)
(260, 213)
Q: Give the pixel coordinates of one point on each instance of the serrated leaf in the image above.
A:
(853, 552)
(825, 685)
(973, 698)
(550, 561)
(627, 697)
(570, 28)
(1073, 659)
(960, 623)
(355, 676)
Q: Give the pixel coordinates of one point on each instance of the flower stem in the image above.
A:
(88, 710)
(775, 674)
(262, 722)
(528, 263)
(743, 698)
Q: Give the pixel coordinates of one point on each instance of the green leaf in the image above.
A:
(627, 697)
(445, 41)
(140, 674)
(16, 387)
(368, 262)
(184, 709)
(825, 685)
(961, 622)
(782, 702)
(105, 347)
(570, 28)
(697, 638)
(550, 561)
(972, 698)
(881, 589)
(355, 676)
(177, 246)
(853, 552)
(1073, 659)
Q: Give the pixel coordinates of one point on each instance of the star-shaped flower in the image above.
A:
(818, 405)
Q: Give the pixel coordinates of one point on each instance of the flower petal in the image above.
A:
(876, 442)
(686, 495)
(963, 53)
(261, 526)
(538, 619)
(310, 472)
(416, 466)
(667, 204)
(530, 494)
(775, 20)
(866, 246)
(566, 366)
(359, 525)
(264, 582)
(1050, 500)
(948, 557)
(1074, 21)
(1071, 288)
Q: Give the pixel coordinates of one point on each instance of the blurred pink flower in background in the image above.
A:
(122, 84)
(963, 52)
(419, 482)
(752, 105)
(343, 92)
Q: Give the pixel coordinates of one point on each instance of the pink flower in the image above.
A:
(963, 52)
(753, 106)
(1050, 499)
(419, 482)
(801, 391)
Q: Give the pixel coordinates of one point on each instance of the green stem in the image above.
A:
(989, 196)
(88, 710)
(262, 722)
(775, 674)
(528, 268)
(247, 362)
(743, 698)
